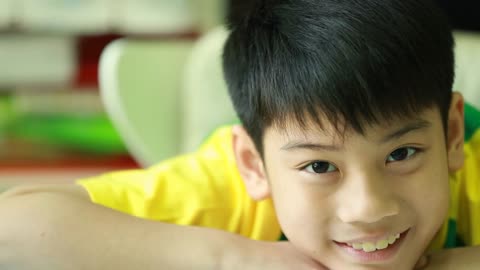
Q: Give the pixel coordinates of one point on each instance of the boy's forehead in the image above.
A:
(293, 130)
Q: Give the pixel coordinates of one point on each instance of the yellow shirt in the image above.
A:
(205, 189)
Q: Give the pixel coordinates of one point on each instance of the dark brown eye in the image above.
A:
(320, 167)
(402, 154)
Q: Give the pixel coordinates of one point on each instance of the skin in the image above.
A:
(365, 186)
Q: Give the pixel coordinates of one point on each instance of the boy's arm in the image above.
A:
(466, 258)
(57, 227)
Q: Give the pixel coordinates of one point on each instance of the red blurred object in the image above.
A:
(89, 49)
(117, 162)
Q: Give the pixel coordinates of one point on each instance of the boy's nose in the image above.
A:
(366, 199)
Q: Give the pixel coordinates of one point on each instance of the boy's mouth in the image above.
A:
(374, 251)
(377, 245)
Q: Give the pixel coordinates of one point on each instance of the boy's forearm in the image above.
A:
(455, 259)
(53, 230)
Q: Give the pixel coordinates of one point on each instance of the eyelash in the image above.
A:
(411, 155)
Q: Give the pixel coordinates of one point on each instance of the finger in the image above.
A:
(422, 263)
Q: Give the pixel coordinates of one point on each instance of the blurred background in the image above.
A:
(54, 124)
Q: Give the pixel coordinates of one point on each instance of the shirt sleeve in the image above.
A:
(201, 189)
(467, 187)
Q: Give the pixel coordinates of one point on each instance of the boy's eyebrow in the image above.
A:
(413, 126)
(418, 124)
(296, 145)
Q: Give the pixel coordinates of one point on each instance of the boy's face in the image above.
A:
(371, 201)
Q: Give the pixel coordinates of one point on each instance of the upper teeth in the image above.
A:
(371, 246)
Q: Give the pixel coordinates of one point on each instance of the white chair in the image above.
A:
(205, 104)
(140, 83)
(467, 54)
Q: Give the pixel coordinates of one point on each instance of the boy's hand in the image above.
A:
(422, 263)
(277, 256)
(453, 259)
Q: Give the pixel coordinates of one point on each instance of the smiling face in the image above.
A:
(352, 201)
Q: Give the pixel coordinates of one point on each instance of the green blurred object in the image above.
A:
(472, 120)
(93, 134)
(6, 114)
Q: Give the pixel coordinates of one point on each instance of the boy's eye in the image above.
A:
(320, 167)
(402, 154)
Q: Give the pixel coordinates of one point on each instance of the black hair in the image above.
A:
(356, 62)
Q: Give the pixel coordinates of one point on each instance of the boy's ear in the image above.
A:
(455, 139)
(250, 164)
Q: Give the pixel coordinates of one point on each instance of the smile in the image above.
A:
(373, 246)
(373, 251)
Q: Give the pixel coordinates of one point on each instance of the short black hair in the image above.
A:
(357, 62)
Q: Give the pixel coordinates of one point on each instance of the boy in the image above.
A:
(351, 147)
